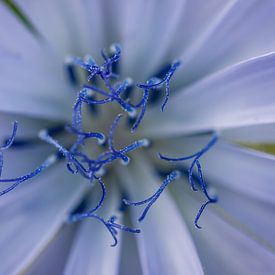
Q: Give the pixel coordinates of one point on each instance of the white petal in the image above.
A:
(31, 76)
(165, 246)
(246, 171)
(29, 220)
(53, 258)
(91, 251)
(237, 96)
(230, 39)
(223, 247)
(145, 45)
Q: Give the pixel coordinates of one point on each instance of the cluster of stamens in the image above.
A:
(92, 169)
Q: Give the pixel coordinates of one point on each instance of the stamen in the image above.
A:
(116, 94)
(154, 84)
(110, 224)
(196, 156)
(47, 163)
(7, 145)
(111, 90)
(151, 200)
(165, 81)
(125, 159)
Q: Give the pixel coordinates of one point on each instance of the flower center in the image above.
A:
(91, 152)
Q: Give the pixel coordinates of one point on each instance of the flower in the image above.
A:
(220, 113)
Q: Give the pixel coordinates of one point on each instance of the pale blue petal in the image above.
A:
(223, 246)
(31, 76)
(38, 213)
(257, 216)
(49, 19)
(195, 20)
(146, 44)
(129, 258)
(53, 258)
(230, 38)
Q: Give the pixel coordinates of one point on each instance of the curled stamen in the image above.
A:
(125, 159)
(196, 156)
(165, 81)
(43, 135)
(151, 200)
(10, 141)
(142, 105)
(47, 163)
(110, 224)
(7, 145)
(86, 135)
(100, 202)
(204, 189)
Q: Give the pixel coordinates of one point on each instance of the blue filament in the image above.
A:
(196, 156)
(10, 141)
(116, 92)
(110, 224)
(151, 200)
(165, 81)
(16, 181)
(7, 145)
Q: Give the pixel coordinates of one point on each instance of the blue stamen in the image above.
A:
(109, 224)
(100, 202)
(25, 142)
(151, 200)
(10, 141)
(196, 163)
(47, 163)
(7, 145)
(165, 81)
(142, 105)
(77, 161)
(124, 158)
